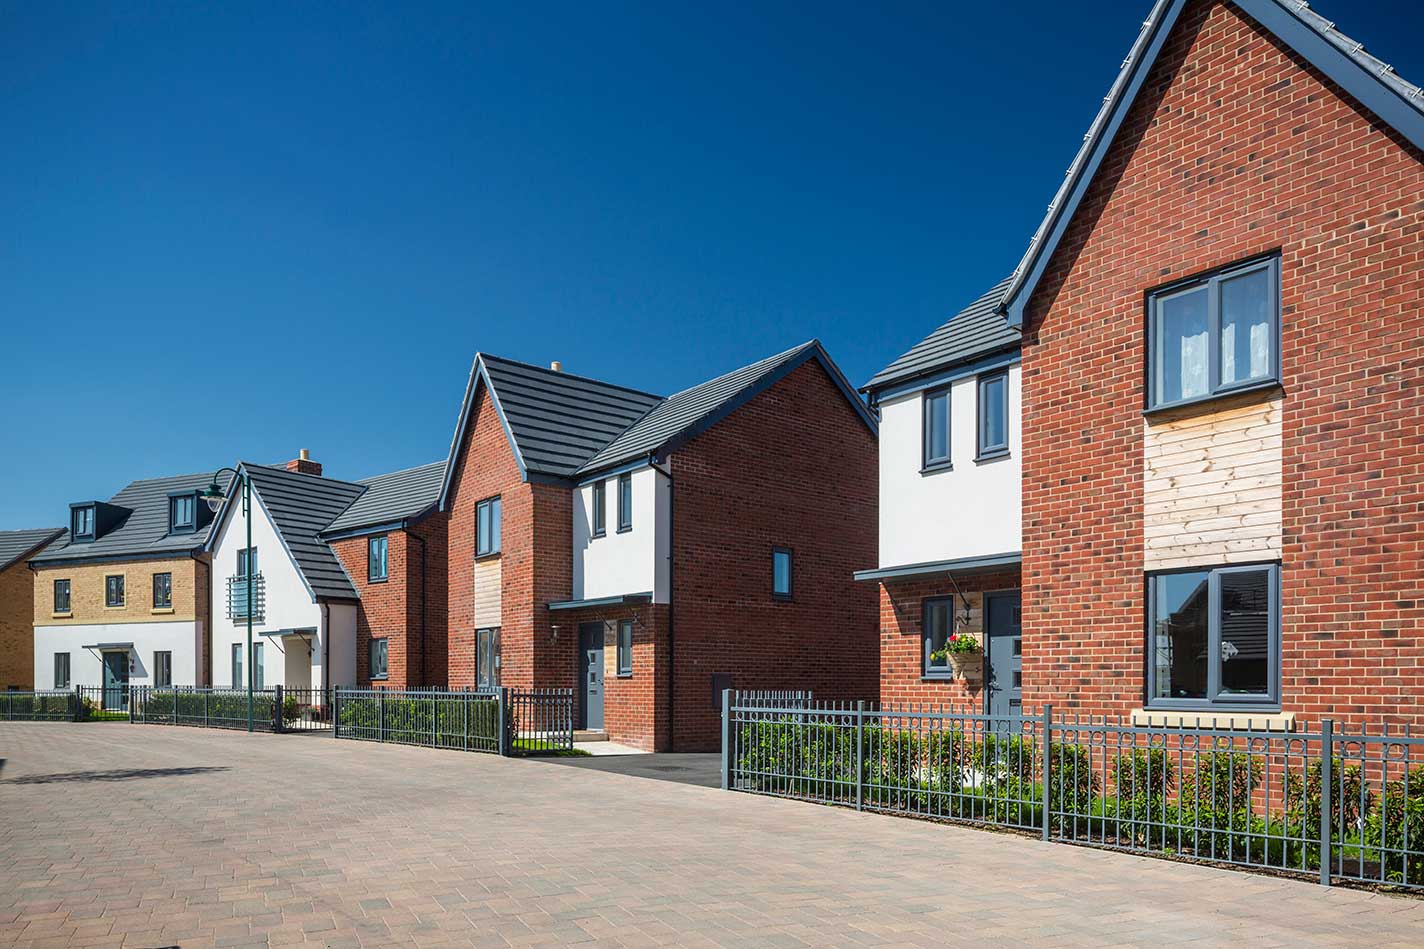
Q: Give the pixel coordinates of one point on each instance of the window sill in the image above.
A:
(493, 555)
(380, 678)
(782, 597)
(1226, 718)
(945, 676)
(167, 611)
(994, 455)
(625, 530)
(936, 468)
(625, 675)
(119, 607)
(69, 615)
(370, 580)
(1186, 405)
(597, 534)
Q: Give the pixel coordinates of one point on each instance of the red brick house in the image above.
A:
(650, 551)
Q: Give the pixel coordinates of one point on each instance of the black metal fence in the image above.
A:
(45, 706)
(203, 707)
(497, 721)
(1324, 803)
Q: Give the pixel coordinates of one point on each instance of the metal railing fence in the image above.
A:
(50, 705)
(499, 721)
(538, 721)
(203, 707)
(308, 711)
(1319, 802)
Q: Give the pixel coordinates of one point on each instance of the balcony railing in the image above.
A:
(237, 597)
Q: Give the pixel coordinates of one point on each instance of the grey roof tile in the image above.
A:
(301, 506)
(15, 544)
(977, 330)
(392, 497)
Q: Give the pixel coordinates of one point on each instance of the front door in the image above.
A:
(1003, 624)
(591, 674)
(116, 680)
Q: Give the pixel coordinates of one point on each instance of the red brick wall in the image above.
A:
(1234, 148)
(794, 467)
(634, 706)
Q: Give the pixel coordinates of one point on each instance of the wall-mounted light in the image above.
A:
(554, 628)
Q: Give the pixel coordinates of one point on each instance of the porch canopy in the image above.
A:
(108, 646)
(963, 567)
(622, 599)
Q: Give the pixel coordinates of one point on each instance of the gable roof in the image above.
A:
(683, 415)
(15, 544)
(1373, 83)
(300, 506)
(400, 496)
(977, 330)
(144, 532)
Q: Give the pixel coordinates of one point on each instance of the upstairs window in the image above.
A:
(1214, 334)
(625, 502)
(600, 508)
(182, 513)
(380, 658)
(487, 527)
(376, 559)
(781, 573)
(993, 415)
(81, 523)
(163, 591)
(625, 647)
(61, 596)
(936, 426)
(114, 590)
(246, 562)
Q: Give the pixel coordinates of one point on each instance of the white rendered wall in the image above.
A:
(342, 631)
(86, 667)
(972, 510)
(635, 561)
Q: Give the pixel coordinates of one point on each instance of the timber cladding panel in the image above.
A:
(1212, 487)
(488, 603)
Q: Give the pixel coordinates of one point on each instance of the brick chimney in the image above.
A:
(556, 366)
(303, 464)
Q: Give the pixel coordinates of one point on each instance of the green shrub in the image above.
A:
(1396, 824)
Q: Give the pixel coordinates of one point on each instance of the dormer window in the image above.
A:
(81, 522)
(182, 513)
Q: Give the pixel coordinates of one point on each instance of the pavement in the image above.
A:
(145, 835)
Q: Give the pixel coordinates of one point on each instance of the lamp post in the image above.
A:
(215, 498)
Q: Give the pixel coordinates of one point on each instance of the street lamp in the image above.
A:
(215, 498)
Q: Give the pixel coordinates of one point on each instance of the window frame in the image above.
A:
(599, 509)
(625, 502)
(1213, 280)
(174, 527)
(985, 452)
(246, 562)
(492, 542)
(625, 648)
(77, 536)
(371, 575)
(1215, 699)
(168, 603)
(928, 463)
(236, 669)
(790, 573)
(68, 602)
(68, 671)
(384, 650)
(109, 603)
(259, 667)
(490, 636)
(927, 642)
(163, 663)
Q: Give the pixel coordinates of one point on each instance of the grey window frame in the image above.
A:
(371, 575)
(625, 648)
(492, 542)
(928, 463)
(1214, 697)
(68, 603)
(174, 527)
(162, 662)
(790, 591)
(927, 641)
(384, 651)
(75, 533)
(985, 451)
(1212, 281)
(109, 589)
(625, 502)
(259, 667)
(599, 504)
(246, 562)
(68, 671)
(167, 604)
(489, 635)
(236, 661)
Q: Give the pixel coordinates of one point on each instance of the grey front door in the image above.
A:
(591, 674)
(1003, 625)
(116, 680)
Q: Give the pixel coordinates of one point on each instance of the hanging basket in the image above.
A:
(967, 665)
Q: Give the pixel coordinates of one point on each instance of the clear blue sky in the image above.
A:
(232, 231)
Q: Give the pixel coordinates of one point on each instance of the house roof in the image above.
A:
(390, 498)
(300, 507)
(15, 544)
(1344, 61)
(144, 531)
(977, 330)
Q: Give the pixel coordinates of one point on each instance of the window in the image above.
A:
(376, 559)
(163, 669)
(781, 573)
(600, 508)
(163, 591)
(937, 619)
(1213, 637)
(936, 442)
(487, 530)
(994, 415)
(81, 523)
(1215, 334)
(61, 670)
(61, 596)
(259, 669)
(237, 680)
(487, 658)
(625, 647)
(182, 510)
(625, 502)
(247, 562)
(380, 654)
(114, 590)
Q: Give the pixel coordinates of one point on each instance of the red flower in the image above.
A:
(954, 637)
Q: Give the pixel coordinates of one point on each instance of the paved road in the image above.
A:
(147, 835)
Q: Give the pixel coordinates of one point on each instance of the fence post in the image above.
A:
(502, 700)
(277, 722)
(78, 704)
(1327, 754)
(380, 715)
(1047, 765)
(434, 714)
(726, 739)
(133, 702)
(859, 753)
(336, 711)
(465, 719)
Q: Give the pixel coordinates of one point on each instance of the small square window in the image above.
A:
(163, 591)
(625, 647)
(61, 596)
(600, 508)
(376, 549)
(114, 590)
(487, 527)
(61, 670)
(936, 429)
(781, 573)
(625, 502)
(163, 668)
(379, 656)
